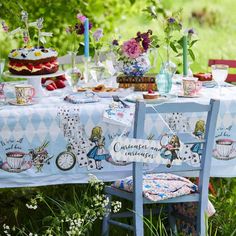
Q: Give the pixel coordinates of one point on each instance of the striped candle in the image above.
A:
(86, 38)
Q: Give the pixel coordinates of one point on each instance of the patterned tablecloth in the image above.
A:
(56, 142)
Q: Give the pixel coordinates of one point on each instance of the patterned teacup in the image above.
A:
(191, 86)
(224, 147)
(24, 93)
(15, 159)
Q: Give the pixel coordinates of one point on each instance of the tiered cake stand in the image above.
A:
(35, 80)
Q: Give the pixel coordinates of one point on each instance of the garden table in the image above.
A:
(56, 142)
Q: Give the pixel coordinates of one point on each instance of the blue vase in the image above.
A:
(136, 67)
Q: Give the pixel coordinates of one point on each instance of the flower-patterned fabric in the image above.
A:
(161, 186)
(189, 210)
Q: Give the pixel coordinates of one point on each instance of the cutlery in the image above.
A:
(117, 99)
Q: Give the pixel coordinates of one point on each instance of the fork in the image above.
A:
(117, 99)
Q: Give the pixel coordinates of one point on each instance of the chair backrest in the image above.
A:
(66, 60)
(212, 112)
(231, 63)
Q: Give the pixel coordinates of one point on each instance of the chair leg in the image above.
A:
(172, 220)
(138, 219)
(202, 219)
(106, 218)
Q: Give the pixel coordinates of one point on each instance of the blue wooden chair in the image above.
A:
(202, 172)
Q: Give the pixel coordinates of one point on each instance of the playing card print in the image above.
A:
(77, 142)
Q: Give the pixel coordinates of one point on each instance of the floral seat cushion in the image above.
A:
(160, 186)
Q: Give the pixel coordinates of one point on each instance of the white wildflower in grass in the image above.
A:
(33, 204)
(6, 229)
(116, 206)
(72, 219)
(92, 179)
(49, 232)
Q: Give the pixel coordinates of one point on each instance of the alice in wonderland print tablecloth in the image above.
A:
(55, 142)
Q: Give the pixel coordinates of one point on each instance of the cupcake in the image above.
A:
(150, 95)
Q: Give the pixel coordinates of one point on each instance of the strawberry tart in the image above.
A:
(150, 95)
(33, 61)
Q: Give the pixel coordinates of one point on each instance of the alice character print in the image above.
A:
(199, 131)
(169, 150)
(98, 152)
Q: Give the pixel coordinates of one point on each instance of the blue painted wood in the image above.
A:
(129, 214)
(203, 171)
(139, 121)
(189, 171)
(206, 164)
(177, 107)
(122, 225)
(129, 196)
(189, 138)
(119, 193)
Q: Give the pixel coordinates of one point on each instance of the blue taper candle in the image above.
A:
(86, 38)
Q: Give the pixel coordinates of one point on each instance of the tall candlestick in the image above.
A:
(185, 56)
(86, 38)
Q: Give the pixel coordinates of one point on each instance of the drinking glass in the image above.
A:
(219, 74)
(73, 74)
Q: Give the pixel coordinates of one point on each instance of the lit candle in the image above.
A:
(86, 38)
(185, 56)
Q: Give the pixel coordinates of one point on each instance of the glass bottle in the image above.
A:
(164, 81)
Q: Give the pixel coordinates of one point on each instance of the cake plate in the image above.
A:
(35, 80)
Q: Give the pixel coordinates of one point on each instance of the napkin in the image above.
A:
(118, 115)
(85, 97)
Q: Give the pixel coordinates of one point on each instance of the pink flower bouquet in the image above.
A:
(133, 54)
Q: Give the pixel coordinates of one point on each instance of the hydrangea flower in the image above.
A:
(131, 49)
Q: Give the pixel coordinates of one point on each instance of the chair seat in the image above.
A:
(193, 197)
(159, 187)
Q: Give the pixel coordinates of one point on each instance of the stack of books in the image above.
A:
(143, 83)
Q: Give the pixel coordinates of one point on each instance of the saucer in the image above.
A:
(14, 103)
(25, 166)
(139, 97)
(181, 95)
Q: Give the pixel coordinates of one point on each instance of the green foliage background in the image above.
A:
(215, 23)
